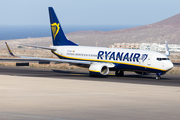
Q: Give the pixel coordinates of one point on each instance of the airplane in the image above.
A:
(101, 60)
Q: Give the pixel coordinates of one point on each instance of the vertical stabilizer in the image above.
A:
(58, 36)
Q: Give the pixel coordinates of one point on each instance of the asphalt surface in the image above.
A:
(129, 77)
(176, 64)
(47, 94)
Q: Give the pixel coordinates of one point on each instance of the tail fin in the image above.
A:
(58, 36)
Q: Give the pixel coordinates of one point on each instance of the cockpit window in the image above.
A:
(159, 59)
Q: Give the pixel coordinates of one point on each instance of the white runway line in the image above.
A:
(30, 116)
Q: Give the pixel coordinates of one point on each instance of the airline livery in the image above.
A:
(101, 60)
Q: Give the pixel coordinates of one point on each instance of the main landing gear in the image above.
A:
(119, 73)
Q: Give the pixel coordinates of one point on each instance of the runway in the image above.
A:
(130, 77)
(45, 94)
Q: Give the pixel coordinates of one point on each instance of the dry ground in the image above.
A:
(36, 98)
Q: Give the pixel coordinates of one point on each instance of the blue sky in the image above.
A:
(87, 12)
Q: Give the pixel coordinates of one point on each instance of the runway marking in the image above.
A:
(31, 116)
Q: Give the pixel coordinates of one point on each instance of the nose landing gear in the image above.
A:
(158, 77)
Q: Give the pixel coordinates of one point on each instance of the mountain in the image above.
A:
(165, 30)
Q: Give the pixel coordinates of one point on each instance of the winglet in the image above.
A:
(167, 49)
(10, 52)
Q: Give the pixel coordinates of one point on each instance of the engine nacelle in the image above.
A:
(98, 68)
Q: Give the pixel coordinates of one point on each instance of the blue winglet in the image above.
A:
(58, 36)
(10, 52)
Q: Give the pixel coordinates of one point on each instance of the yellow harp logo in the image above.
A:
(55, 29)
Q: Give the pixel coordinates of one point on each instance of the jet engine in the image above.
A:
(98, 69)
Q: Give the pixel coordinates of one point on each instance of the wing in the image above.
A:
(33, 59)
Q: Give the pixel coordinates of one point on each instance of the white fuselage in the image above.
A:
(122, 58)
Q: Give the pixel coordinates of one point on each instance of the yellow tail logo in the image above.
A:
(55, 29)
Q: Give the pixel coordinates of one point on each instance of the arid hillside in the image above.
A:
(42, 41)
(165, 30)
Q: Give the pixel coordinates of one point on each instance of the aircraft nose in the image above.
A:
(170, 65)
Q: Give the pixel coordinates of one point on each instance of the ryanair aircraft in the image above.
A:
(101, 60)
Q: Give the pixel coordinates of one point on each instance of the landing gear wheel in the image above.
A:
(119, 73)
(158, 77)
